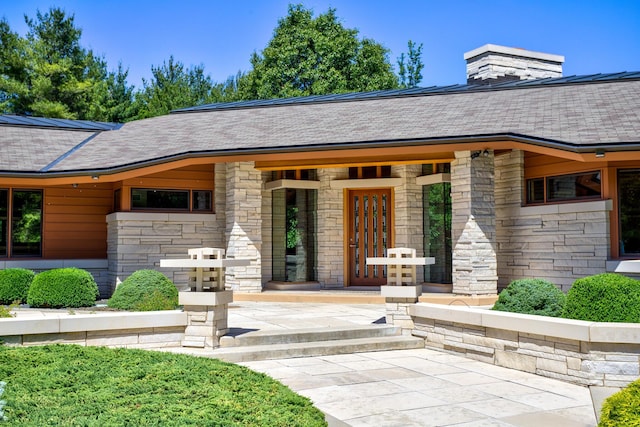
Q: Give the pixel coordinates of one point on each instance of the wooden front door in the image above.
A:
(369, 234)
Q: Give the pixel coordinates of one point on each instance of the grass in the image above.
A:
(69, 385)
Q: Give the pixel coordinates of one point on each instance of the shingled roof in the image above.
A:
(573, 115)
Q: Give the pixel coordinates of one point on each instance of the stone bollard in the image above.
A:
(397, 300)
(207, 314)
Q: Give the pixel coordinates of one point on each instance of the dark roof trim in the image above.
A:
(66, 124)
(417, 91)
(569, 147)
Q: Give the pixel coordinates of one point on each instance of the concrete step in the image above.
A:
(307, 335)
(316, 348)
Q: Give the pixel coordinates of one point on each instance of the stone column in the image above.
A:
(408, 213)
(397, 300)
(473, 224)
(331, 228)
(207, 314)
(244, 225)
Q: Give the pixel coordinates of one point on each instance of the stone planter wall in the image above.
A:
(580, 352)
(128, 330)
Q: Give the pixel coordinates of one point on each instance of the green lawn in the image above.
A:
(68, 385)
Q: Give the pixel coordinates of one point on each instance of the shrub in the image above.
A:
(531, 296)
(145, 290)
(63, 287)
(622, 408)
(14, 284)
(606, 297)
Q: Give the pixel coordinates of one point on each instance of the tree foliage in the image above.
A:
(311, 56)
(48, 73)
(410, 66)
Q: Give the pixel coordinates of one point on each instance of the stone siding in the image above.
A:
(331, 256)
(139, 240)
(473, 224)
(559, 242)
(408, 213)
(244, 225)
(585, 353)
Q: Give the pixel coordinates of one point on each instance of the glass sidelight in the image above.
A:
(294, 235)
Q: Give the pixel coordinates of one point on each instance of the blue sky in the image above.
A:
(594, 36)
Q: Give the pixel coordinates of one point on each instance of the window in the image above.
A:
(436, 208)
(560, 188)
(297, 174)
(171, 200)
(20, 223)
(370, 172)
(294, 235)
(629, 211)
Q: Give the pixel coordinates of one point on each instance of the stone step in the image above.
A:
(307, 335)
(316, 348)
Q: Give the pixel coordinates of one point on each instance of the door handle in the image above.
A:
(352, 246)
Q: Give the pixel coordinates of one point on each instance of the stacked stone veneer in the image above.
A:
(473, 223)
(139, 240)
(585, 353)
(244, 225)
(408, 212)
(331, 256)
(559, 242)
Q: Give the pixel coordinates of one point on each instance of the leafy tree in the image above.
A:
(172, 86)
(311, 56)
(410, 66)
(48, 73)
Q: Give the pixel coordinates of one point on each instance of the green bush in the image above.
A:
(622, 408)
(145, 290)
(606, 297)
(531, 296)
(14, 284)
(63, 287)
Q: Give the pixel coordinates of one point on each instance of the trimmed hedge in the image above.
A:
(606, 297)
(63, 287)
(622, 408)
(145, 290)
(14, 284)
(531, 296)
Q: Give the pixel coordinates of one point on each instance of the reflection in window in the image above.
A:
(629, 211)
(436, 199)
(26, 223)
(171, 200)
(294, 235)
(564, 188)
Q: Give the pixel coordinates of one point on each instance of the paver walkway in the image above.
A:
(408, 387)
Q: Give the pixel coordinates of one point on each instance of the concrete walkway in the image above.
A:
(407, 387)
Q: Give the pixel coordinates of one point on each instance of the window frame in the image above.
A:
(190, 208)
(548, 200)
(8, 229)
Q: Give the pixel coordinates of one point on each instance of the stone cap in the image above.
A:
(513, 51)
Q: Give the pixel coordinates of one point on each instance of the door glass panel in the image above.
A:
(26, 223)
(629, 202)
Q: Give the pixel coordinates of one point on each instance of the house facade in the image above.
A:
(518, 173)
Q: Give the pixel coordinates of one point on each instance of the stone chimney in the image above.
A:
(491, 64)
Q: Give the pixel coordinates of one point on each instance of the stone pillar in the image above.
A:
(473, 223)
(331, 228)
(207, 314)
(397, 300)
(268, 231)
(407, 211)
(244, 225)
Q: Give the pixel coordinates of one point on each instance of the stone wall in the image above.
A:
(580, 352)
(244, 225)
(473, 223)
(559, 242)
(139, 240)
(408, 212)
(331, 256)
